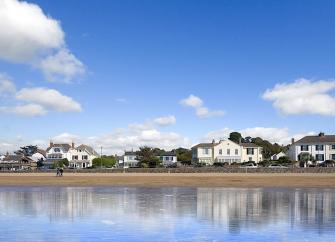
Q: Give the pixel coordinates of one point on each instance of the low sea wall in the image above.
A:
(193, 170)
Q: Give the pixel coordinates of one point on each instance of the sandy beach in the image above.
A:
(164, 180)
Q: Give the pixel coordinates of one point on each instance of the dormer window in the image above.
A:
(56, 149)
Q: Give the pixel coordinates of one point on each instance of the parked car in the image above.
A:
(277, 166)
(250, 165)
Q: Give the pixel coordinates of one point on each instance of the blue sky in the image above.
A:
(139, 59)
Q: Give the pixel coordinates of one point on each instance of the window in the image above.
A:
(333, 156)
(228, 151)
(250, 158)
(74, 157)
(84, 157)
(56, 150)
(220, 151)
(250, 151)
(319, 147)
(205, 151)
(333, 147)
(236, 151)
(304, 147)
(320, 157)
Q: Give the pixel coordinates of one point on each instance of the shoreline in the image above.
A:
(238, 180)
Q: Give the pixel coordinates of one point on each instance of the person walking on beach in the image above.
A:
(61, 170)
(58, 171)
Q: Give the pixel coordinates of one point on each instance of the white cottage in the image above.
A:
(78, 157)
(168, 158)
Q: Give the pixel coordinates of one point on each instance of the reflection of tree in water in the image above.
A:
(254, 208)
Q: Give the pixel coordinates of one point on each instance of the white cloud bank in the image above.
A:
(38, 100)
(31, 37)
(200, 110)
(49, 98)
(303, 97)
(165, 121)
(274, 135)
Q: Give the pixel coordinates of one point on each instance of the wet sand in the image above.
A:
(170, 180)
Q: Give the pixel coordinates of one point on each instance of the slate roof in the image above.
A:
(66, 147)
(204, 145)
(129, 153)
(169, 153)
(89, 149)
(316, 139)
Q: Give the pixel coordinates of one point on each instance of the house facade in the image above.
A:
(321, 147)
(17, 162)
(78, 157)
(168, 158)
(226, 151)
(130, 159)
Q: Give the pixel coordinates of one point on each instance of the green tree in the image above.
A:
(184, 156)
(61, 163)
(104, 161)
(147, 158)
(235, 137)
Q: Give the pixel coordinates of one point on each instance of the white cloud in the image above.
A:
(274, 135)
(29, 110)
(26, 31)
(29, 36)
(200, 110)
(165, 121)
(6, 86)
(63, 66)
(65, 138)
(303, 97)
(49, 98)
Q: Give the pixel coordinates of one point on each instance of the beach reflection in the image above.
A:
(170, 213)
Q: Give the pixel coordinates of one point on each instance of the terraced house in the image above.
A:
(226, 151)
(321, 147)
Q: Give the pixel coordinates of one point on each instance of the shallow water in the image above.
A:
(166, 214)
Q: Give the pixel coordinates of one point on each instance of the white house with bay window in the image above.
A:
(321, 147)
(168, 158)
(78, 157)
(226, 151)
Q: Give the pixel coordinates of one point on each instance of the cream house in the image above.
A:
(226, 151)
(251, 152)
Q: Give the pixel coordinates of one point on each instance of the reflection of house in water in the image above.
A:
(251, 208)
(234, 209)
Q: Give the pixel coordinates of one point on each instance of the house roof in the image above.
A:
(66, 147)
(17, 158)
(317, 139)
(89, 149)
(129, 153)
(203, 145)
(251, 145)
(169, 153)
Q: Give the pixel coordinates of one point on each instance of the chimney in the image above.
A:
(239, 140)
(213, 141)
(321, 134)
(72, 145)
(51, 143)
(292, 140)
